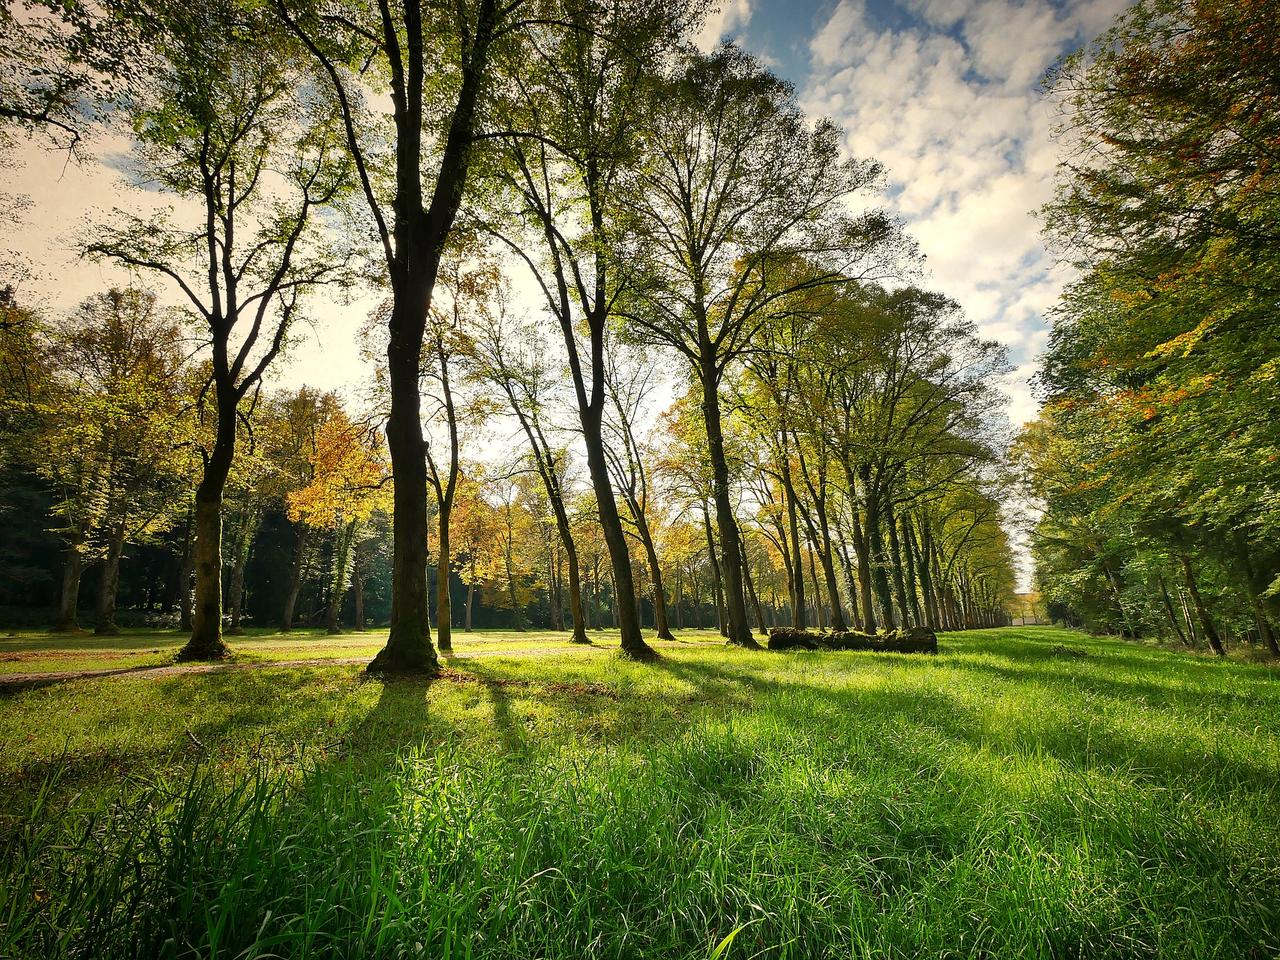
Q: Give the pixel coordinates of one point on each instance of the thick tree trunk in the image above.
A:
(206, 641)
(409, 647)
(109, 585)
(739, 630)
(69, 597)
(295, 578)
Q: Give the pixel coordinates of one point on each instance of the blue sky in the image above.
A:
(945, 93)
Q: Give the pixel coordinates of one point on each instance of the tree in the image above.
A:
(438, 64)
(513, 358)
(742, 205)
(222, 123)
(572, 129)
(348, 477)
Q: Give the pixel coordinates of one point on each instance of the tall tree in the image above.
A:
(742, 204)
(221, 123)
(572, 130)
(437, 62)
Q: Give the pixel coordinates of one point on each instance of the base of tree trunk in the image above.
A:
(72, 627)
(748, 644)
(235, 631)
(333, 630)
(667, 635)
(107, 630)
(581, 638)
(641, 654)
(203, 652)
(397, 662)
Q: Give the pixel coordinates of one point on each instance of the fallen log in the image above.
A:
(911, 640)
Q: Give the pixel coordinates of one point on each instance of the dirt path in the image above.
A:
(26, 681)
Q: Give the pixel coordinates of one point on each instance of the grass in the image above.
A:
(36, 651)
(1004, 799)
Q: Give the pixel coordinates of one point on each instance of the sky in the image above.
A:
(944, 93)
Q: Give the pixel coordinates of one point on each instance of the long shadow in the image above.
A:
(509, 731)
(1104, 746)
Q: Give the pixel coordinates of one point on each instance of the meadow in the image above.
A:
(1029, 792)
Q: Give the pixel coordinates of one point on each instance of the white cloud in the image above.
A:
(727, 19)
(951, 106)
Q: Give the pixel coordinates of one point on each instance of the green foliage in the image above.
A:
(1159, 449)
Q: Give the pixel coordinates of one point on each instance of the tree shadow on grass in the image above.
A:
(913, 718)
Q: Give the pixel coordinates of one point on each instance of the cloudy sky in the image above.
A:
(945, 93)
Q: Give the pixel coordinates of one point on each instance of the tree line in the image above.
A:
(1154, 458)
(730, 385)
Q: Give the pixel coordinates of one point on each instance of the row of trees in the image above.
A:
(104, 436)
(662, 200)
(1155, 458)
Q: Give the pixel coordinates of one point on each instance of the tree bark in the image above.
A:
(69, 598)
(715, 571)
(1206, 622)
(206, 641)
(739, 630)
(109, 584)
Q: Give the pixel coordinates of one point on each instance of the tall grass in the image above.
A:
(795, 822)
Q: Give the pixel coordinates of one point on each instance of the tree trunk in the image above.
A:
(109, 585)
(864, 572)
(471, 595)
(69, 598)
(818, 608)
(730, 540)
(341, 564)
(798, 604)
(409, 647)
(357, 588)
(715, 571)
(751, 591)
(655, 574)
(1168, 609)
(624, 592)
(910, 565)
(206, 641)
(895, 557)
(444, 611)
(295, 578)
(875, 544)
(1206, 622)
(239, 560)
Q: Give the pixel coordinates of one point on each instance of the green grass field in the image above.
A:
(1029, 792)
